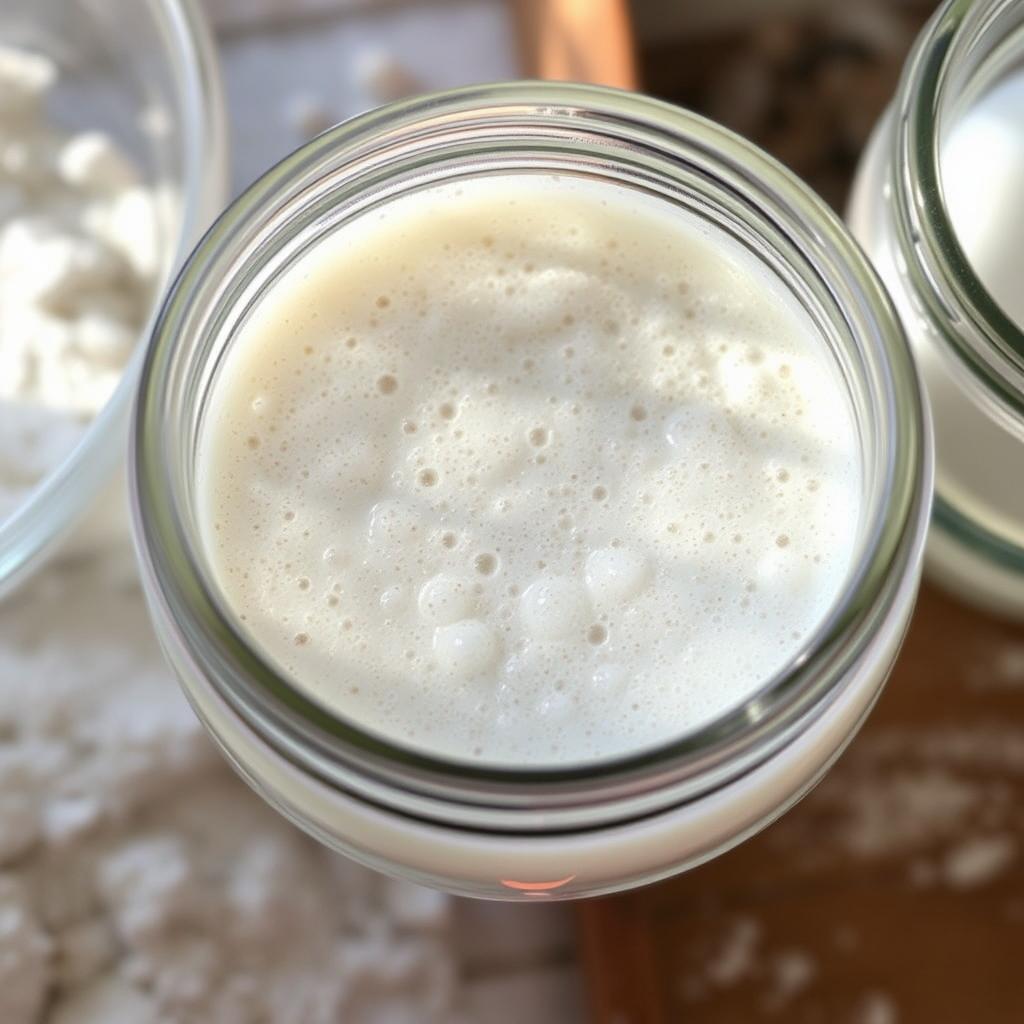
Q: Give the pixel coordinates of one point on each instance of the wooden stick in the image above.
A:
(578, 40)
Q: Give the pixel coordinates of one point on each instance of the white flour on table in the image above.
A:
(141, 882)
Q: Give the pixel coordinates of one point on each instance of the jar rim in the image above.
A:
(987, 342)
(318, 737)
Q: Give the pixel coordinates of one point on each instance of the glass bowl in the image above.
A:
(144, 72)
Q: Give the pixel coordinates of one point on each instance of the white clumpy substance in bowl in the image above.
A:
(141, 882)
(529, 470)
(79, 257)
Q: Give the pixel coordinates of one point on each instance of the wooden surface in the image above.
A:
(577, 41)
(894, 894)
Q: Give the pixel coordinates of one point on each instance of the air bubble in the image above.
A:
(486, 564)
(445, 599)
(554, 607)
(466, 648)
(616, 575)
(393, 599)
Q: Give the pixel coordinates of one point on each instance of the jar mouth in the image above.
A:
(528, 125)
(955, 57)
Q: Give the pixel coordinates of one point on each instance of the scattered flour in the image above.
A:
(996, 666)
(140, 882)
(736, 956)
(1009, 666)
(79, 256)
(902, 810)
(876, 1008)
(740, 956)
(978, 861)
(793, 970)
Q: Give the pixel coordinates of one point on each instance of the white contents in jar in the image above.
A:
(982, 168)
(530, 470)
(79, 256)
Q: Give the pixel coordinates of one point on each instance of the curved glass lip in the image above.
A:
(975, 537)
(58, 501)
(993, 349)
(183, 588)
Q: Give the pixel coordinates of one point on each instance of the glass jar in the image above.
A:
(145, 72)
(970, 353)
(560, 831)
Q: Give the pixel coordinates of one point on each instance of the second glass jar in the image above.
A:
(970, 352)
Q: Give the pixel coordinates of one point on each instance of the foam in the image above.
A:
(529, 470)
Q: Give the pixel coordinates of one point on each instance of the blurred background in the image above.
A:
(893, 895)
(806, 79)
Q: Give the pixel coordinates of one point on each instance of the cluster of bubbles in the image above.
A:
(494, 482)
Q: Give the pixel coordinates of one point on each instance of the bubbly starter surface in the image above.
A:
(529, 470)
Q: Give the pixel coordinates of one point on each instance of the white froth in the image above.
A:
(466, 648)
(445, 599)
(554, 608)
(529, 470)
(615, 576)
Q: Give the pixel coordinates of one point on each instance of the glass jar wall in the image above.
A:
(560, 830)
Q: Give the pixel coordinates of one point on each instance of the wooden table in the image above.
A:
(893, 893)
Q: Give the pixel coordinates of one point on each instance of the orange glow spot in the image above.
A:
(536, 888)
